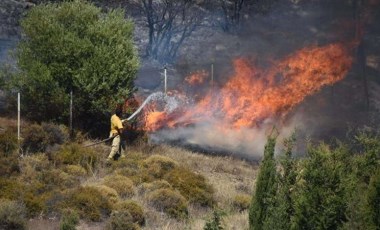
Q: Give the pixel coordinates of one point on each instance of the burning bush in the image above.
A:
(169, 201)
(136, 211)
(192, 186)
(89, 203)
(123, 185)
(12, 215)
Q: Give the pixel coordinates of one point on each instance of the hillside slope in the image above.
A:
(47, 183)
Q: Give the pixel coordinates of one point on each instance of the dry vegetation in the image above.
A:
(155, 187)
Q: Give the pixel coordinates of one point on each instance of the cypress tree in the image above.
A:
(266, 187)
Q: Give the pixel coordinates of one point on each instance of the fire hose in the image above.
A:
(150, 97)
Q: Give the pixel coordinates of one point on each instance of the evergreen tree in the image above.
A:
(266, 187)
(73, 46)
(280, 214)
(319, 201)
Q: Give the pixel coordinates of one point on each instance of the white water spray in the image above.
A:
(171, 103)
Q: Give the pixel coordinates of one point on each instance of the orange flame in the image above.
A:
(253, 95)
(197, 78)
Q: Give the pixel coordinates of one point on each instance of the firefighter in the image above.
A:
(116, 131)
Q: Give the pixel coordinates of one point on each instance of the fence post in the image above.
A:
(165, 80)
(18, 121)
(71, 114)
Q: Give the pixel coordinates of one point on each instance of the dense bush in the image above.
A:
(9, 165)
(76, 154)
(158, 165)
(33, 165)
(10, 188)
(192, 186)
(88, 202)
(121, 220)
(149, 187)
(8, 154)
(12, 215)
(75, 170)
(35, 139)
(136, 211)
(169, 201)
(123, 185)
(108, 193)
(8, 143)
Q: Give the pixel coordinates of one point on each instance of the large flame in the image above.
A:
(253, 95)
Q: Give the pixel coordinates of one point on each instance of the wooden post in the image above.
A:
(165, 80)
(71, 114)
(212, 75)
(18, 121)
(18, 116)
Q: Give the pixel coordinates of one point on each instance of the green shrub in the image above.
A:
(192, 186)
(241, 202)
(8, 143)
(121, 220)
(69, 220)
(215, 222)
(149, 187)
(109, 193)
(76, 154)
(158, 165)
(35, 204)
(58, 134)
(75, 170)
(134, 209)
(10, 188)
(9, 165)
(56, 178)
(169, 201)
(12, 215)
(31, 166)
(88, 202)
(123, 185)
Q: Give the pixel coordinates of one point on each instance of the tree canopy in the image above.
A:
(74, 46)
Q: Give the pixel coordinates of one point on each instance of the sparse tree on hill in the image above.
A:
(169, 24)
(73, 46)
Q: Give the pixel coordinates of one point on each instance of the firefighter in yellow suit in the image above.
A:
(116, 131)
